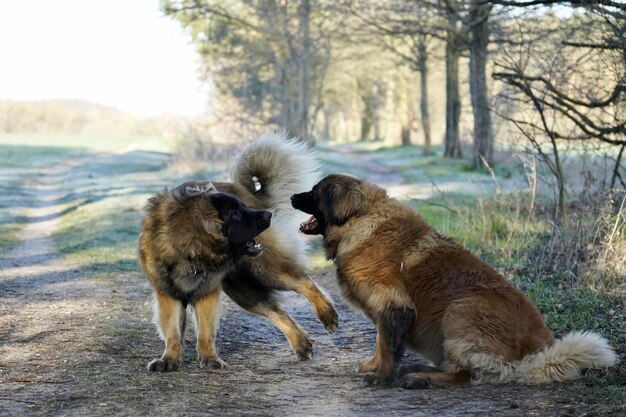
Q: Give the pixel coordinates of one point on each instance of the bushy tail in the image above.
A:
(563, 360)
(279, 165)
(274, 167)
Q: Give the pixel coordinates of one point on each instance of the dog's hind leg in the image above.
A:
(170, 320)
(207, 317)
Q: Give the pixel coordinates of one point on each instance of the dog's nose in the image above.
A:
(293, 197)
(266, 216)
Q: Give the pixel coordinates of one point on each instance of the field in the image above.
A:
(75, 311)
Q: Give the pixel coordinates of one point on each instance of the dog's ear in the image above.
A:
(343, 201)
(194, 189)
(191, 189)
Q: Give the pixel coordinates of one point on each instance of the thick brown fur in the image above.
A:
(187, 257)
(425, 292)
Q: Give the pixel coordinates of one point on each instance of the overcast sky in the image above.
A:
(120, 53)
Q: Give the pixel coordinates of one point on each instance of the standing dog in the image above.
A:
(426, 292)
(203, 238)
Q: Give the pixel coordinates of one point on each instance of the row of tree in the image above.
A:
(316, 66)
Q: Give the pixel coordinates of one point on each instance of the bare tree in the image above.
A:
(454, 47)
(577, 90)
(483, 128)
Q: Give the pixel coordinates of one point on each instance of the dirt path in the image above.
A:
(76, 343)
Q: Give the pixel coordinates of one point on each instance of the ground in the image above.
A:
(76, 331)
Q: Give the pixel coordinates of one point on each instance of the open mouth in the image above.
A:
(311, 226)
(253, 248)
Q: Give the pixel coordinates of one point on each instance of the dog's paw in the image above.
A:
(372, 379)
(330, 319)
(212, 363)
(305, 350)
(163, 365)
(409, 381)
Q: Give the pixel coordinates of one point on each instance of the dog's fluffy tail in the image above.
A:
(563, 360)
(274, 167)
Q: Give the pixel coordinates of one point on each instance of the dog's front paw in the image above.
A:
(212, 363)
(330, 319)
(411, 381)
(373, 379)
(304, 350)
(163, 365)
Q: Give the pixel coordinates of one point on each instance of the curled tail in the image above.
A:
(563, 360)
(274, 167)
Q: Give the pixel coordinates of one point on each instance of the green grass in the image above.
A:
(102, 236)
(13, 201)
(10, 226)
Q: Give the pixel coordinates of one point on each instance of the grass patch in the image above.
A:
(29, 157)
(10, 227)
(498, 230)
(91, 143)
(14, 198)
(102, 236)
(13, 201)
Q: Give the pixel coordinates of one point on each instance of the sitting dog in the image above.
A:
(425, 292)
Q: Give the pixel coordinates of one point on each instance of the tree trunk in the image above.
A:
(366, 125)
(327, 119)
(453, 100)
(483, 128)
(405, 134)
(376, 104)
(304, 12)
(423, 70)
